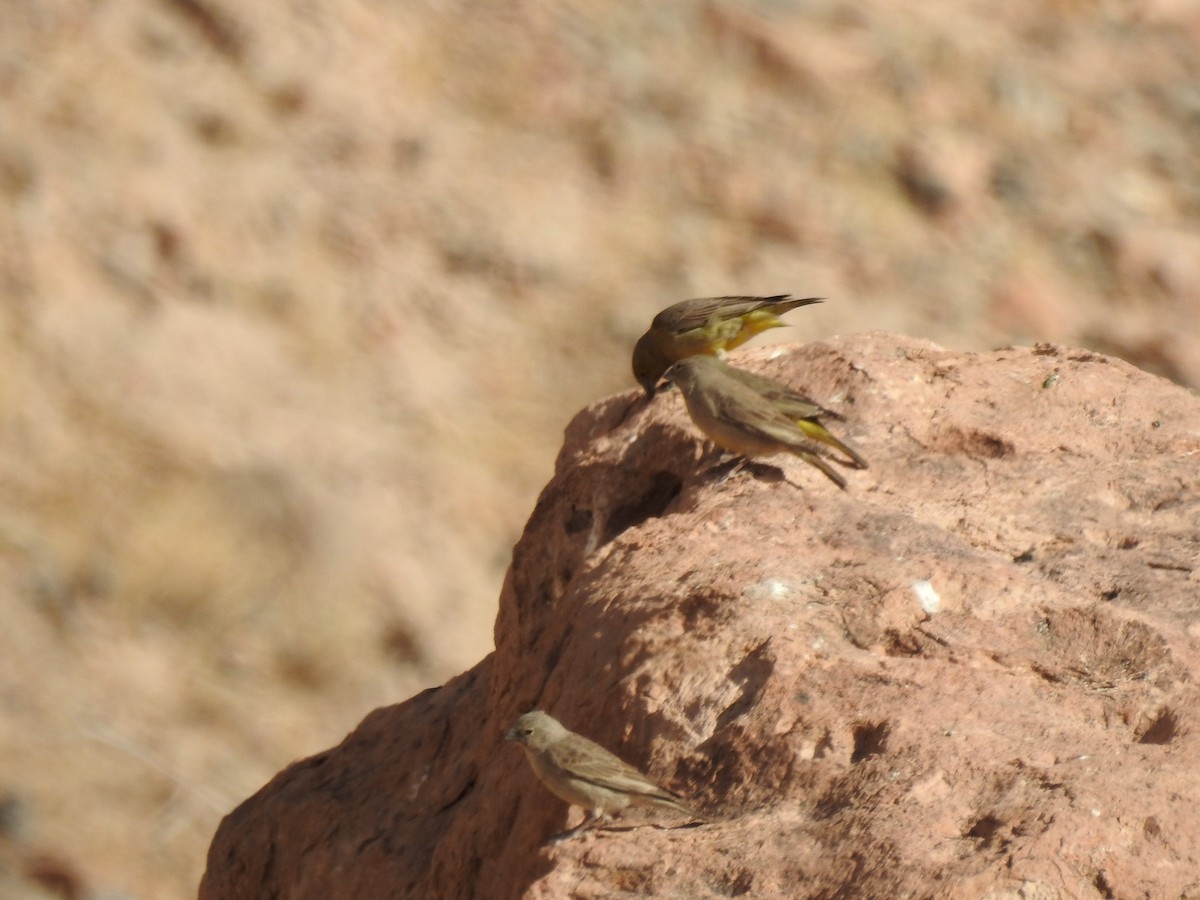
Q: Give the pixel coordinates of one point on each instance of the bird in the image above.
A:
(584, 774)
(801, 410)
(709, 325)
(750, 415)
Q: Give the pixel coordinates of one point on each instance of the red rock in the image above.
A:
(757, 644)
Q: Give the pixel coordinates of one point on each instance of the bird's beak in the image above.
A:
(511, 735)
(663, 384)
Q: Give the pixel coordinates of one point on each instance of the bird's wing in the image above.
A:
(735, 402)
(588, 761)
(792, 404)
(689, 314)
(801, 412)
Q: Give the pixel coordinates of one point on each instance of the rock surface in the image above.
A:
(970, 675)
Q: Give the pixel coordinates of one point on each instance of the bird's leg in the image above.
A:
(593, 816)
(712, 457)
(716, 458)
(741, 463)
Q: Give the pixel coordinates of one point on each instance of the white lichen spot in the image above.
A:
(417, 782)
(770, 589)
(927, 596)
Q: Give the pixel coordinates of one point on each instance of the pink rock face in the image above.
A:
(973, 674)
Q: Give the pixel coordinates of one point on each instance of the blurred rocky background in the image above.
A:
(297, 297)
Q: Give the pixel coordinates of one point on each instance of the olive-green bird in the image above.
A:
(710, 325)
(753, 416)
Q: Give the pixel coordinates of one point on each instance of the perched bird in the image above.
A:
(709, 325)
(801, 410)
(585, 774)
(755, 416)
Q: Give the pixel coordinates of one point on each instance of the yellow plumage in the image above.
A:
(708, 325)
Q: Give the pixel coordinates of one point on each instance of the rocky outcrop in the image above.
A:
(971, 674)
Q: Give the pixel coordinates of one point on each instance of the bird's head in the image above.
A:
(691, 369)
(536, 730)
(649, 362)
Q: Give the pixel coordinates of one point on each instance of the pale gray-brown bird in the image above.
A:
(754, 416)
(585, 774)
(705, 325)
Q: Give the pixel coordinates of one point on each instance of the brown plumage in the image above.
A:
(585, 774)
(754, 416)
